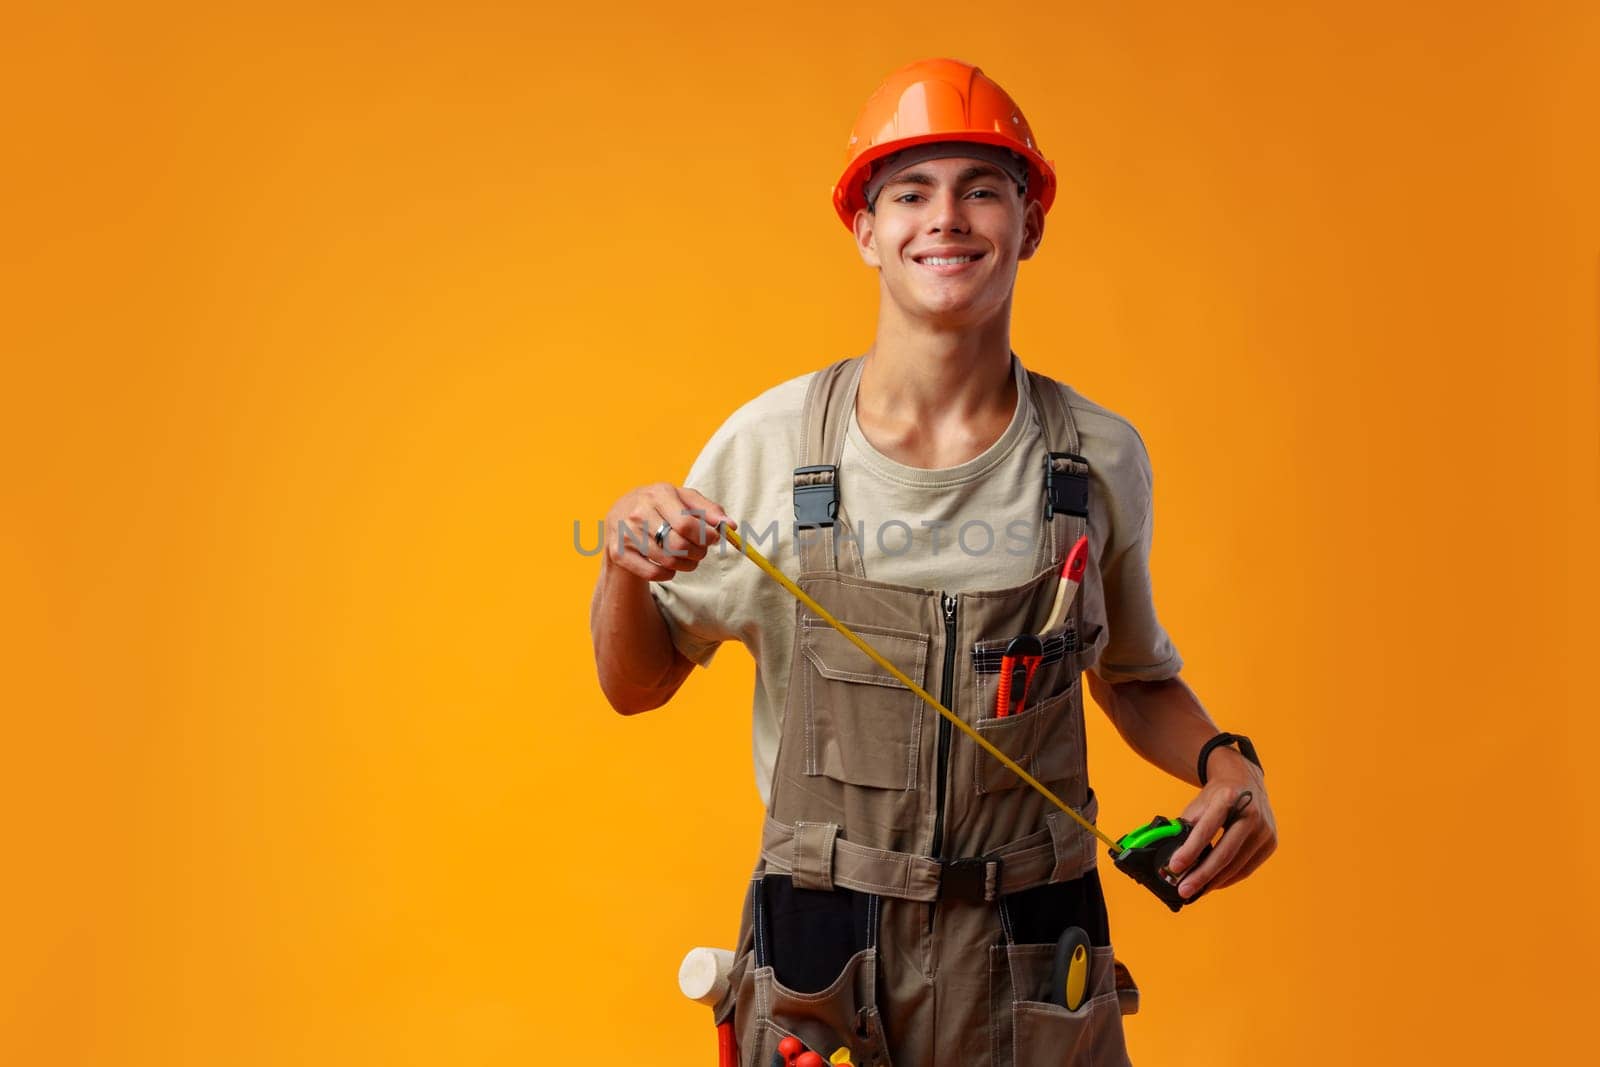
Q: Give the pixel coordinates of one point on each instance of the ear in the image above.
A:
(1032, 229)
(866, 237)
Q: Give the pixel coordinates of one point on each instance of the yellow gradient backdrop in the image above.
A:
(322, 326)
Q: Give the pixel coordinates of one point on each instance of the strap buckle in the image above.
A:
(816, 494)
(1065, 491)
(973, 880)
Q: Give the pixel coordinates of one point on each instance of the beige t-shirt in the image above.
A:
(975, 526)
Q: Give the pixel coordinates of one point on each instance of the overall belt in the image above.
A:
(818, 858)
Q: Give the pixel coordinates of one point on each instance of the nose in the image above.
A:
(949, 213)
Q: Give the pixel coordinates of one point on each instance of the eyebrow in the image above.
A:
(917, 177)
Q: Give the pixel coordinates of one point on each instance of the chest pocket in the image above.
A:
(862, 725)
(1046, 737)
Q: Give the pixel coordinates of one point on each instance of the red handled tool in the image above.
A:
(1022, 658)
(792, 1053)
(703, 976)
(1067, 588)
(1024, 653)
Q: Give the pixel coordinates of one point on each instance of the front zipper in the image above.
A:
(946, 689)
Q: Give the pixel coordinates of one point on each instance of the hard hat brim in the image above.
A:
(849, 192)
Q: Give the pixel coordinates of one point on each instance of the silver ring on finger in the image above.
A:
(660, 535)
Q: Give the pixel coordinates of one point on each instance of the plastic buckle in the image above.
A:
(816, 504)
(1065, 491)
(968, 879)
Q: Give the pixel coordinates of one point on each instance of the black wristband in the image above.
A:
(1246, 749)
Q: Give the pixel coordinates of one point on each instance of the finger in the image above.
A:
(1221, 856)
(1212, 808)
(1241, 872)
(631, 538)
(682, 550)
(624, 556)
(1263, 843)
(634, 563)
(636, 539)
(1244, 800)
(715, 514)
(672, 550)
(685, 524)
(692, 527)
(1238, 865)
(699, 522)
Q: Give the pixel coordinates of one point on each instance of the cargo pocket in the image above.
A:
(824, 942)
(844, 1015)
(1036, 1032)
(862, 725)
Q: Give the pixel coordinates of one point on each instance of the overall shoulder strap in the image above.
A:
(1066, 497)
(818, 509)
(1066, 472)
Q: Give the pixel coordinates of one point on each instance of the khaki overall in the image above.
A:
(909, 882)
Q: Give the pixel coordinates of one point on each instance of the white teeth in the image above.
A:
(944, 261)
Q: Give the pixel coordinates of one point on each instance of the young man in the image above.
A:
(911, 889)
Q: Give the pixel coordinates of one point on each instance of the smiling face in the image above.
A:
(946, 238)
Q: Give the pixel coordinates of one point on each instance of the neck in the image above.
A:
(936, 398)
(923, 370)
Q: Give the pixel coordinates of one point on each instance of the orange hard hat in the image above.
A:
(937, 100)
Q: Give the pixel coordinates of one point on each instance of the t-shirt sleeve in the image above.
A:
(1137, 647)
(747, 467)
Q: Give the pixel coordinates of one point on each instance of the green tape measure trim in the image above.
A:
(1148, 834)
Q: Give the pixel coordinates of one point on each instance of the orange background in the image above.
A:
(321, 328)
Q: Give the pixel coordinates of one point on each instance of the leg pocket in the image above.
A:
(1034, 1033)
(814, 976)
(862, 725)
(844, 1015)
(1050, 1034)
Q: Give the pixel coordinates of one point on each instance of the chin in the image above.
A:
(954, 312)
